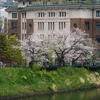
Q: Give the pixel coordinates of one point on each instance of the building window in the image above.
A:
(30, 2)
(98, 26)
(62, 25)
(51, 14)
(14, 25)
(24, 15)
(30, 25)
(97, 13)
(86, 25)
(62, 14)
(23, 25)
(23, 3)
(14, 15)
(51, 26)
(41, 14)
(98, 39)
(75, 25)
(40, 25)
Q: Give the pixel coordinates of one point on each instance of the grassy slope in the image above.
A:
(19, 81)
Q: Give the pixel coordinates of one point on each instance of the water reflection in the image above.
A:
(93, 94)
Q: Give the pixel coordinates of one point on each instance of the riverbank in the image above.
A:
(19, 82)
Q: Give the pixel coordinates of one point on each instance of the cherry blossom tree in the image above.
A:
(71, 46)
(63, 46)
(33, 49)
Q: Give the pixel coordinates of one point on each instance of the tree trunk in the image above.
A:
(31, 64)
(73, 62)
(59, 63)
(63, 62)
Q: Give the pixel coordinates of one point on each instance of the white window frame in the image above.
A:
(62, 14)
(62, 25)
(41, 14)
(40, 26)
(51, 26)
(51, 14)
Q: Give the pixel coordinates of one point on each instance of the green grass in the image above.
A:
(19, 81)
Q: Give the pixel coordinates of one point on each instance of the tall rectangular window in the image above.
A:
(30, 2)
(23, 3)
(97, 13)
(98, 39)
(14, 15)
(14, 25)
(98, 26)
(51, 26)
(86, 25)
(62, 14)
(41, 14)
(40, 25)
(24, 15)
(62, 25)
(51, 14)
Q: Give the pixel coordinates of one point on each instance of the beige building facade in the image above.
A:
(45, 17)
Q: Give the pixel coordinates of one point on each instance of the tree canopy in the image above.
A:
(8, 50)
(62, 46)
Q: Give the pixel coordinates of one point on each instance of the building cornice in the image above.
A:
(11, 9)
(51, 7)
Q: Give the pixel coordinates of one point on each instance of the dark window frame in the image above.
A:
(87, 25)
(52, 14)
(41, 14)
(30, 2)
(14, 15)
(98, 26)
(30, 25)
(98, 13)
(75, 25)
(23, 2)
(97, 39)
(62, 14)
(14, 25)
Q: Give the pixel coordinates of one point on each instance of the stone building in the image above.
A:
(46, 16)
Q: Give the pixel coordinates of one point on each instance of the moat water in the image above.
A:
(93, 94)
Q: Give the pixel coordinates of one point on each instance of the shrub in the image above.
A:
(36, 67)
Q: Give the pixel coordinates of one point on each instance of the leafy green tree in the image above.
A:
(13, 53)
(8, 49)
(3, 43)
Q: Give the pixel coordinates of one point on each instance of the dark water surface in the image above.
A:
(93, 94)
